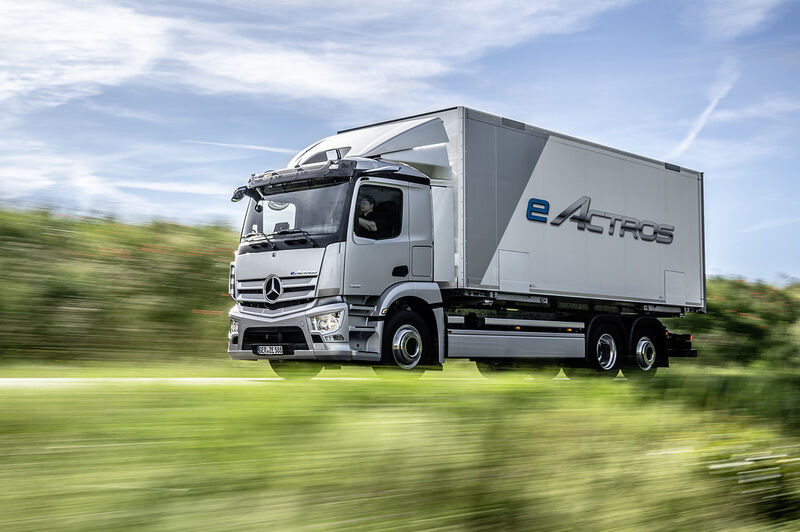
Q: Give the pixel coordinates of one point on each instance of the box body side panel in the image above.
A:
(611, 242)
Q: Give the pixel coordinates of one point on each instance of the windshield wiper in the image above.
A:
(266, 237)
(297, 231)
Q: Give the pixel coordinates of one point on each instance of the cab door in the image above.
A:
(377, 256)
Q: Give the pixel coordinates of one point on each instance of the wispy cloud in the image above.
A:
(272, 149)
(775, 107)
(726, 78)
(124, 112)
(728, 159)
(729, 19)
(39, 171)
(51, 52)
(203, 189)
(770, 224)
(33, 172)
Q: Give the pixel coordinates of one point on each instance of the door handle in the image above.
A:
(400, 271)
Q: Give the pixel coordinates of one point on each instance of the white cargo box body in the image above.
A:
(489, 234)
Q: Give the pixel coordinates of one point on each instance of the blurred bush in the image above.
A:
(87, 288)
(78, 288)
(747, 324)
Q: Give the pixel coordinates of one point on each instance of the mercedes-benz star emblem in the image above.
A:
(272, 288)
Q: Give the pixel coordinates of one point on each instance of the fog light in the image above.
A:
(334, 338)
(326, 323)
(234, 326)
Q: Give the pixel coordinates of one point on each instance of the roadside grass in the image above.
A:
(407, 455)
(206, 367)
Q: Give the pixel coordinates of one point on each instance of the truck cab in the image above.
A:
(322, 247)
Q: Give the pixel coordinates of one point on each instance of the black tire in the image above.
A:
(407, 342)
(295, 370)
(644, 353)
(605, 351)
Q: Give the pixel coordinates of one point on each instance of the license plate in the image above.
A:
(270, 349)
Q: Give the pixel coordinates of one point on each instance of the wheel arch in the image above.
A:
(607, 319)
(423, 309)
(425, 299)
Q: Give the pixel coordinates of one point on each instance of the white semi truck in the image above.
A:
(460, 234)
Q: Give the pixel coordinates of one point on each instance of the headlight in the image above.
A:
(326, 323)
(234, 326)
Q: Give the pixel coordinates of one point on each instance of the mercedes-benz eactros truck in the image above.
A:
(460, 234)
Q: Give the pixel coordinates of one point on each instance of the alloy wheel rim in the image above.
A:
(645, 353)
(606, 352)
(407, 346)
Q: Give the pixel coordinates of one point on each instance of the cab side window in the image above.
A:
(379, 212)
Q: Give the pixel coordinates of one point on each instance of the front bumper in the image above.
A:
(241, 345)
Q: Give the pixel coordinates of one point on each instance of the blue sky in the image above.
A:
(154, 110)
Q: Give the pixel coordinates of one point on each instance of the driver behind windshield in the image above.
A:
(367, 218)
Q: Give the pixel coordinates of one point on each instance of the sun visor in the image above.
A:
(378, 140)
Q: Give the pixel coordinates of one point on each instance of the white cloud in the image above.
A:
(272, 149)
(726, 77)
(51, 52)
(729, 19)
(775, 108)
(182, 187)
(350, 52)
(124, 112)
(38, 171)
(35, 173)
(727, 159)
(769, 224)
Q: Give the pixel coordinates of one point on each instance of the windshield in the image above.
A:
(317, 211)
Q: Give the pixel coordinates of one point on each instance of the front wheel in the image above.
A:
(407, 341)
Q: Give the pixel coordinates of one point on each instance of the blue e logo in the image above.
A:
(537, 206)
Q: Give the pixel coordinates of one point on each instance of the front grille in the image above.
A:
(289, 336)
(276, 306)
(298, 292)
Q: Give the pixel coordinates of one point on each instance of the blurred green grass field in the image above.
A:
(405, 455)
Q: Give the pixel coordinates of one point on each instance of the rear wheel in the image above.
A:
(603, 352)
(644, 353)
(295, 370)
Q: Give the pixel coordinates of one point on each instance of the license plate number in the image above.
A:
(270, 350)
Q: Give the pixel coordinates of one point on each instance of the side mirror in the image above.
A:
(238, 194)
